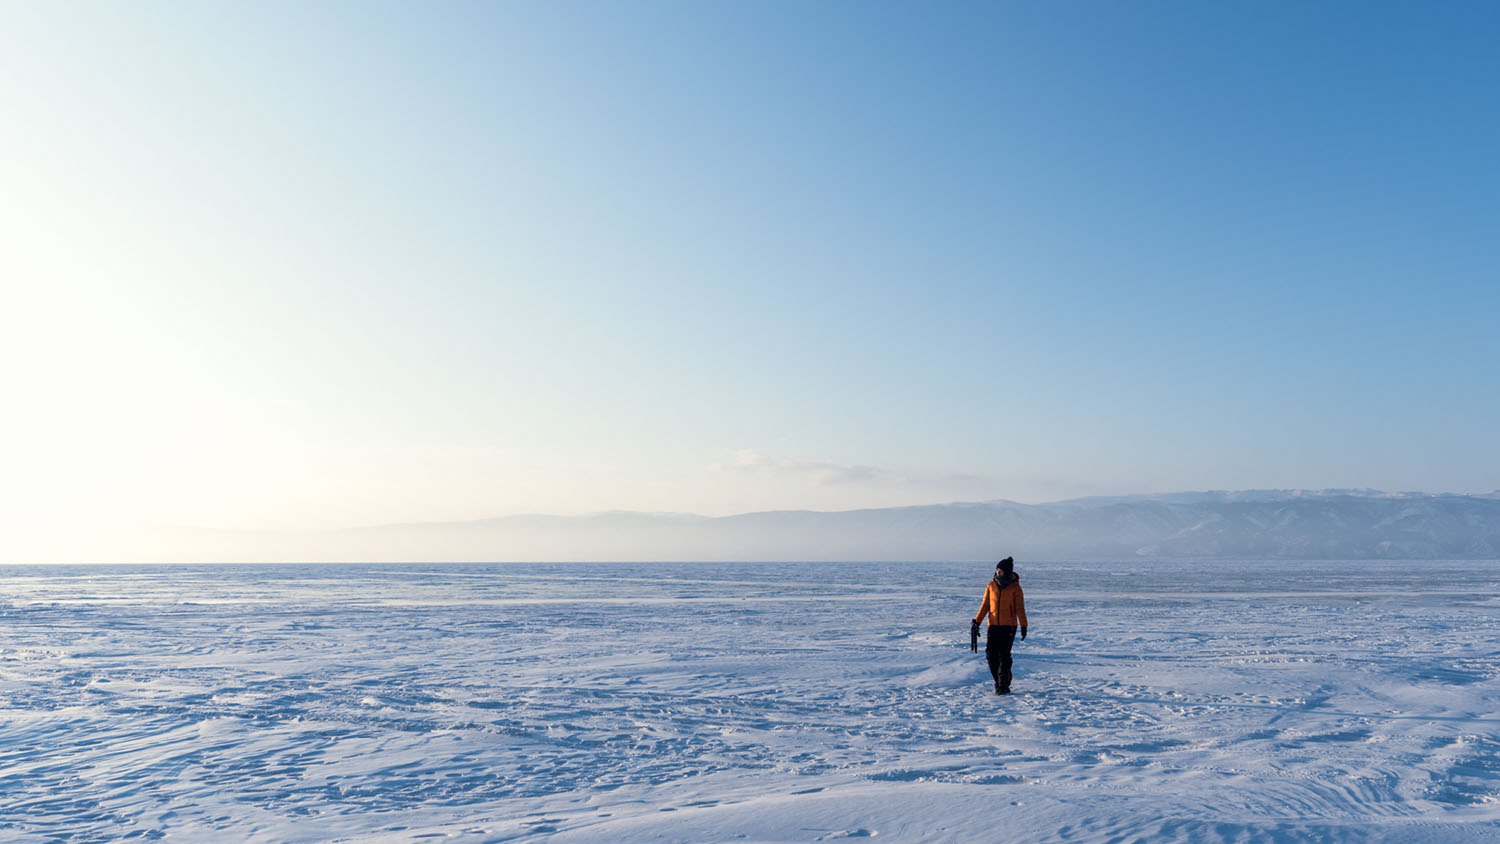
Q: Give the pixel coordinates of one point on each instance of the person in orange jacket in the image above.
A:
(1007, 610)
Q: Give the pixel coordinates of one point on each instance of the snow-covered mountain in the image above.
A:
(1262, 524)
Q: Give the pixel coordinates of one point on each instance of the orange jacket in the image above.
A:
(1006, 606)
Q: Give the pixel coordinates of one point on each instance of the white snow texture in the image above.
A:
(1156, 701)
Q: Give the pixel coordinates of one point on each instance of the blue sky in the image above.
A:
(279, 265)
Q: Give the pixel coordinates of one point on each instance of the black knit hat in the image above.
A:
(1006, 565)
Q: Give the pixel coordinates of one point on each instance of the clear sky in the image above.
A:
(312, 265)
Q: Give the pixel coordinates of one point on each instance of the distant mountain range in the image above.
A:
(1270, 524)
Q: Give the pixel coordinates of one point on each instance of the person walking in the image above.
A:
(1006, 606)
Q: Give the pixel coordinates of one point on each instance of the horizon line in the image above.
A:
(1364, 492)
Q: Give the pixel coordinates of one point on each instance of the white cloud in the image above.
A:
(819, 472)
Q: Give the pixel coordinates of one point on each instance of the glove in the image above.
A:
(974, 636)
(1023, 634)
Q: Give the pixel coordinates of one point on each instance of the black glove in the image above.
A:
(974, 636)
(1023, 634)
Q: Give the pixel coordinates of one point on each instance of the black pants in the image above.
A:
(997, 644)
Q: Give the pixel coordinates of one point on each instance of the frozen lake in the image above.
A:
(1156, 702)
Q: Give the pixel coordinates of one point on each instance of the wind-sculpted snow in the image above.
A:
(1156, 702)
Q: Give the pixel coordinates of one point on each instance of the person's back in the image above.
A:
(1005, 604)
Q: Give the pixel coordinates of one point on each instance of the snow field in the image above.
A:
(1156, 701)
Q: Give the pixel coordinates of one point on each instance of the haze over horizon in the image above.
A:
(1244, 525)
(1143, 496)
(278, 267)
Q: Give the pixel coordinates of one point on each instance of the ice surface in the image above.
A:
(1156, 701)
